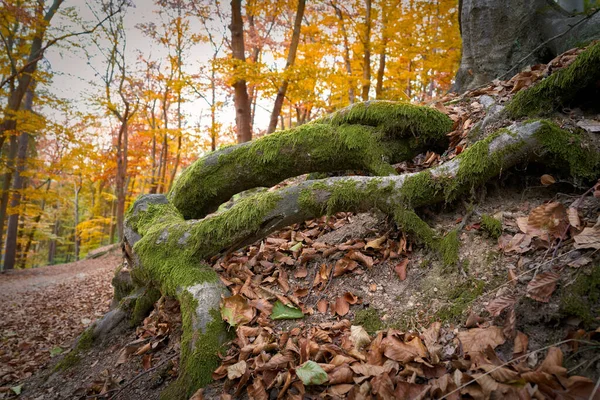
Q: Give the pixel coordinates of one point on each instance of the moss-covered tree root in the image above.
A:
(168, 250)
(366, 136)
(560, 88)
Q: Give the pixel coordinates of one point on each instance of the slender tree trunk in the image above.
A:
(77, 239)
(12, 228)
(366, 81)
(347, 63)
(382, 54)
(121, 188)
(291, 58)
(240, 98)
(7, 180)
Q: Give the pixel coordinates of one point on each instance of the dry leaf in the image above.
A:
(573, 215)
(589, 238)
(478, 339)
(403, 352)
(341, 306)
(361, 258)
(359, 336)
(498, 305)
(547, 220)
(350, 298)
(521, 343)
(236, 310)
(376, 243)
(322, 306)
(542, 286)
(301, 272)
(373, 287)
(236, 370)
(400, 269)
(547, 180)
(199, 395)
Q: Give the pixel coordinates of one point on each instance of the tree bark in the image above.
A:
(366, 81)
(347, 63)
(12, 228)
(502, 37)
(291, 58)
(240, 97)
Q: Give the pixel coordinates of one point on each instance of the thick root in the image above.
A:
(366, 136)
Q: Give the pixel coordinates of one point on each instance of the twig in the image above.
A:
(138, 376)
(524, 356)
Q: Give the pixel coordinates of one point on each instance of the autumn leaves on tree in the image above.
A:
(71, 166)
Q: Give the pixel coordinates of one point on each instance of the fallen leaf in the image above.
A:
(547, 180)
(547, 220)
(367, 369)
(236, 370)
(361, 258)
(322, 306)
(573, 215)
(496, 306)
(403, 352)
(589, 238)
(344, 265)
(478, 339)
(341, 306)
(350, 298)
(301, 272)
(198, 395)
(236, 310)
(310, 373)
(542, 286)
(400, 269)
(376, 243)
(282, 311)
(342, 374)
(147, 362)
(521, 343)
(257, 390)
(373, 287)
(359, 336)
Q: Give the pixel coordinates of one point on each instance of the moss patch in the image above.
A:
(369, 319)
(491, 225)
(582, 298)
(143, 305)
(560, 88)
(460, 297)
(449, 247)
(199, 352)
(84, 342)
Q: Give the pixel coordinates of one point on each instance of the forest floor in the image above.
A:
(43, 309)
(387, 288)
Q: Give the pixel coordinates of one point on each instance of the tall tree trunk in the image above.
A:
(121, 188)
(240, 97)
(291, 58)
(347, 63)
(366, 81)
(382, 54)
(12, 228)
(77, 239)
(6, 182)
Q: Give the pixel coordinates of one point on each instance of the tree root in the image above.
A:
(167, 251)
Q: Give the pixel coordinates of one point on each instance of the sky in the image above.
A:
(74, 74)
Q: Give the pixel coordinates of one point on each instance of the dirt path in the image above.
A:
(42, 310)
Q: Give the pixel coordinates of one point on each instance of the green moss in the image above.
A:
(460, 297)
(409, 222)
(199, 352)
(369, 319)
(394, 119)
(582, 298)
(143, 305)
(72, 358)
(491, 225)
(560, 88)
(419, 189)
(449, 246)
(566, 147)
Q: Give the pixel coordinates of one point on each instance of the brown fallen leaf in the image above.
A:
(547, 180)
(350, 298)
(147, 362)
(521, 343)
(542, 286)
(403, 352)
(400, 269)
(367, 369)
(301, 272)
(589, 238)
(236, 370)
(341, 306)
(548, 220)
(573, 216)
(199, 395)
(257, 391)
(496, 306)
(373, 287)
(236, 310)
(478, 339)
(376, 243)
(361, 258)
(322, 306)
(344, 265)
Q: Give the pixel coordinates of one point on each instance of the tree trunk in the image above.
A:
(366, 81)
(12, 228)
(382, 54)
(240, 97)
(291, 58)
(500, 38)
(347, 63)
(77, 239)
